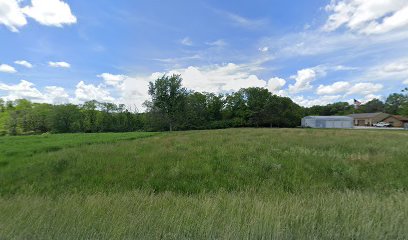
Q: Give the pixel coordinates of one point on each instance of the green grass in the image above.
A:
(223, 184)
(23, 146)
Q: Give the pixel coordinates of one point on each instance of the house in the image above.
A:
(368, 119)
(327, 122)
(396, 120)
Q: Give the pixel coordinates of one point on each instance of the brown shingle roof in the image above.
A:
(365, 115)
(401, 118)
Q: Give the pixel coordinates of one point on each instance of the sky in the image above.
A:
(315, 52)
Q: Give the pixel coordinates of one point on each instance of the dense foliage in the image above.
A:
(173, 107)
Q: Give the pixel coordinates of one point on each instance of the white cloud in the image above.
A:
(59, 64)
(406, 82)
(11, 15)
(220, 78)
(370, 97)
(24, 63)
(337, 87)
(50, 12)
(27, 90)
(396, 67)
(24, 89)
(218, 43)
(321, 100)
(365, 88)
(243, 21)
(264, 49)
(47, 12)
(304, 78)
(134, 90)
(187, 41)
(275, 84)
(112, 80)
(57, 95)
(87, 92)
(7, 68)
(368, 17)
(395, 70)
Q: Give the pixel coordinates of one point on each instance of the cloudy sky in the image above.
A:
(315, 51)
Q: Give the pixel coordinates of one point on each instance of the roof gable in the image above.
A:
(367, 115)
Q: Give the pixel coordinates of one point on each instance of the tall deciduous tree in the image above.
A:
(168, 96)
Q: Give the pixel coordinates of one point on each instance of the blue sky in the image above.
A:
(314, 51)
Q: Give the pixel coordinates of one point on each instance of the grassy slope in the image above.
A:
(285, 183)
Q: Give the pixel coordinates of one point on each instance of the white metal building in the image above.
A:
(327, 122)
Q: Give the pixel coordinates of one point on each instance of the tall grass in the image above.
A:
(223, 184)
(233, 160)
(142, 215)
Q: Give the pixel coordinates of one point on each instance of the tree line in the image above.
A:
(173, 107)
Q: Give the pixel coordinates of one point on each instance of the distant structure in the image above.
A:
(406, 126)
(369, 119)
(327, 122)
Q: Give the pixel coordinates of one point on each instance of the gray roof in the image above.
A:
(331, 117)
(365, 115)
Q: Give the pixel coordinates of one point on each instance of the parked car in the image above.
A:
(382, 124)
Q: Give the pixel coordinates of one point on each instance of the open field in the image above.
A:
(224, 184)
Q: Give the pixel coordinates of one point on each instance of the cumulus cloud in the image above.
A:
(400, 66)
(337, 87)
(24, 63)
(57, 95)
(275, 84)
(321, 100)
(59, 64)
(112, 79)
(370, 97)
(46, 12)
(365, 88)
(406, 82)
(50, 12)
(134, 90)
(214, 78)
(87, 92)
(27, 90)
(11, 15)
(219, 78)
(7, 68)
(368, 17)
(304, 78)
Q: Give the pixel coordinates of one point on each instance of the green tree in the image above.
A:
(196, 113)
(395, 102)
(90, 113)
(66, 118)
(256, 100)
(168, 97)
(236, 109)
(215, 106)
(373, 106)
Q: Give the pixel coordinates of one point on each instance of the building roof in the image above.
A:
(401, 118)
(366, 115)
(331, 117)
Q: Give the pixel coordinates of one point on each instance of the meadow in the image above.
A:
(219, 184)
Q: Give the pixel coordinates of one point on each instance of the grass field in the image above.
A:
(221, 184)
